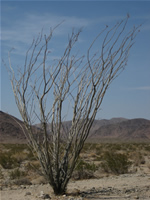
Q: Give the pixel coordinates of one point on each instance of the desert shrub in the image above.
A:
(147, 148)
(31, 156)
(89, 147)
(22, 181)
(99, 149)
(16, 174)
(8, 162)
(116, 147)
(20, 157)
(84, 170)
(116, 163)
(82, 174)
(82, 165)
(32, 166)
(1, 174)
(15, 148)
(148, 166)
(137, 158)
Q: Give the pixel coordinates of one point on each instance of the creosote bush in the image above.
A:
(82, 165)
(115, 163)
(84, 170)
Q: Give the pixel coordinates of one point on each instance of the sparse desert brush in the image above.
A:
(16, 174)
(86, 174)
(84, 170)
(22, 181)
(89, 147)
(7, 161)
(137, 158)
(14, 148)
(1, 174)
(116, 147)
(31, 155)
(32, 166)
(99, 149)
(148, 166)
(20, 157)
(82, 165)
(115, 163)
(147, 147)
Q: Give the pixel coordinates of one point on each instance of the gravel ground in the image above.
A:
(127, 186)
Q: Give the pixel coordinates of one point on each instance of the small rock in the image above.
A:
(40, 180)
(22, 187)
(74, 192)
(27, 193)
(72, 198)
(44, 196)
(128, 196)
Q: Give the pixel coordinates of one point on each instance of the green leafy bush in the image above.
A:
(116, 163)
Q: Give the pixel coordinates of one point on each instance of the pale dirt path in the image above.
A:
(130, 186)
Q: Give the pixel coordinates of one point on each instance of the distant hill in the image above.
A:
(10, 130)
(127, 130)
(117, 129)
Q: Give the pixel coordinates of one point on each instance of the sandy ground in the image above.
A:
(127, 186)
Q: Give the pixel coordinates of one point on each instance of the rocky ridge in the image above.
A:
(120, 129)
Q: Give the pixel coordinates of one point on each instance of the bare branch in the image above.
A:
(41, 93)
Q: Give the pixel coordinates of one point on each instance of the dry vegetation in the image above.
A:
(18, 165)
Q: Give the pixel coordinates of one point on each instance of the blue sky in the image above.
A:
(129, 94)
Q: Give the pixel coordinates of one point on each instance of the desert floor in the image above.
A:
(127, 186)
(19, 180)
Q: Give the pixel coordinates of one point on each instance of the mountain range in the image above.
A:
(115, 129)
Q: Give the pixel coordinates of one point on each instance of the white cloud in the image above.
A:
(144, 88)
(25, 30)
(21, 32)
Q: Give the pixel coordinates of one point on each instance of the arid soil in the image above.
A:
(92, 180)
(127, 186)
